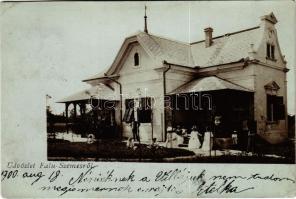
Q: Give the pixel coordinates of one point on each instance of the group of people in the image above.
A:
(197, 140)
(218, 136)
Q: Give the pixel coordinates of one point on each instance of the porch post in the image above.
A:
(75, 111)
(80, 110)
(66, 110)
(81, 107)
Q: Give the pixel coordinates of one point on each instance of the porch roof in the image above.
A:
(99, 92)
(211, 83)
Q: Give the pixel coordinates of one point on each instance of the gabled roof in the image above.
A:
(96, 76)
(99, 92)
(227, 48)
(167, 49)
(211, 83)
(159, 48)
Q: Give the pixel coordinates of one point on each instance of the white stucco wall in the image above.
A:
(256, 76)
(268, 71)
(175, 79)
(142, 81)
(244, 77)
(276, 132)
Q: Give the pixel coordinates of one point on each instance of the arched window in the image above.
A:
(136, 59)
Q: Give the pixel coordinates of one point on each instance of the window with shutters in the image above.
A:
(275, 108)
(129, 111)
(142, 109)
(145, 111)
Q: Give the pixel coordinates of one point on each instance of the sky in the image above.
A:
(61, 43)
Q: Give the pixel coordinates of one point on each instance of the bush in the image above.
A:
(107, 150)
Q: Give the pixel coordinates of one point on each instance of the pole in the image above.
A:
(66, 110)
(164, 94)
(151, 122)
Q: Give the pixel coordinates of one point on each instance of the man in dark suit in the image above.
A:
(135, 129)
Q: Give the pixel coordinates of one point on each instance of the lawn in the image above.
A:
(255, 159)
(111, 150)
(115, 150)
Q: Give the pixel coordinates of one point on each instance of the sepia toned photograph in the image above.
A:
(174, 99)
(220, 97)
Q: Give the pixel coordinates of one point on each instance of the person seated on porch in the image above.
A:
(194, 141)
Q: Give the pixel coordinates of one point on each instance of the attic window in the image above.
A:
(270, 51)
(136, 59)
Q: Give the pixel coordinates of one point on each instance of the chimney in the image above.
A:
(208, 36)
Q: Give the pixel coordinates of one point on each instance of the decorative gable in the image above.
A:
(272, 87)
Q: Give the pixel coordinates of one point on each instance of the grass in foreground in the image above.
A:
(111, 150)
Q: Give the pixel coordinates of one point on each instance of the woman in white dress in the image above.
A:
(169, 140)
(175, 140)
(208, 141)
(194, 141)
(172, 138)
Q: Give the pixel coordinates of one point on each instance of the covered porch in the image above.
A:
(198, 102)
(93, 111)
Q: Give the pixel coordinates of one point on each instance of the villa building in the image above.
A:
(240, 76)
